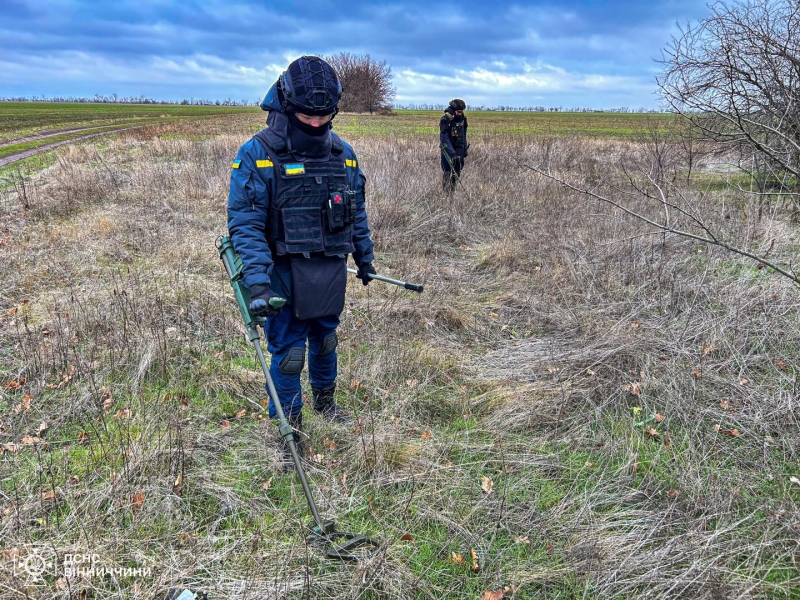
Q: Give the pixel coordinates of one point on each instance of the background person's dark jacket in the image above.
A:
(453, 133)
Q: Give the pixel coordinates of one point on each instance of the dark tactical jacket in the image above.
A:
(453, 132)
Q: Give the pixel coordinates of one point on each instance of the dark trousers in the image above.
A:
(284, 333)
(450, 176)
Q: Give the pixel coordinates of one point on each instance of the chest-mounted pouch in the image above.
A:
(340, 210)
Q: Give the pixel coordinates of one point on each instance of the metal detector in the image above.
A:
(335, 544)
(414, 287)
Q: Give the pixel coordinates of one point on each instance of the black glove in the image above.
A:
(259, 301)
(364, 272)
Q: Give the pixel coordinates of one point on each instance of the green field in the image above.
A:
(505, 125)
(19, 121)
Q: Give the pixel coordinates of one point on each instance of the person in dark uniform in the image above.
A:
(453, 142)
(296, 209)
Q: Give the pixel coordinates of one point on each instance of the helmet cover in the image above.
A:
(457, 104)
(310, 86)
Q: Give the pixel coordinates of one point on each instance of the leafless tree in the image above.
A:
(366, 83)
(736, 77)
(733, 81)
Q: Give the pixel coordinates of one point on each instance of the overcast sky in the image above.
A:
(568, 53)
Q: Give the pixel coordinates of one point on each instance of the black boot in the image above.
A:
(296, 421)
(325, 405)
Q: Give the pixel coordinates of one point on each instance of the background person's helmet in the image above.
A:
(457, 104)
(310, 86)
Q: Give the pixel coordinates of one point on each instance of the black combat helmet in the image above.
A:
(457, 104)
(310, 86)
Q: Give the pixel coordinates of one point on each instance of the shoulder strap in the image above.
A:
(337, 147)
(271, 142)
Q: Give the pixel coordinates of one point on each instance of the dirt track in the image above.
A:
(47, 134)
(33, 151)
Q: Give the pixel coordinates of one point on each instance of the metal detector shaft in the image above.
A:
(449, 160)
(285, 428)
(324, 531)
(233, 266)
(414, 287)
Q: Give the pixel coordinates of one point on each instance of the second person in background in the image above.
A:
(453, 142)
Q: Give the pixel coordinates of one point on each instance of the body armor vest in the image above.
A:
(313, 209)
(457, 133)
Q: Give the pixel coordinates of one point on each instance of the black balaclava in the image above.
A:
(306, 141)
(308, 129)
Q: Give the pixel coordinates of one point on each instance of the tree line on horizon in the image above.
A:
(383, 109)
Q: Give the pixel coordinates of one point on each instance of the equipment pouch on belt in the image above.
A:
(339, 210)
(318, 285)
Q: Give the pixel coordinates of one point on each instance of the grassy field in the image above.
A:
(574, 408)
(50, 122)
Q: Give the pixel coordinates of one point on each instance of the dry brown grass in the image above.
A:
(548, 328)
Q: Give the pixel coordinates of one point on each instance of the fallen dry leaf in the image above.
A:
(267, 484)
(475, 567)
(28, 440)
(137, 500)
(225, 424)
(83, 437)
(240, 414)
(50, 495)
(493, 594)
(634, 388)
(407, 537)
(486, 484)
(794, 479)
(426, 435)
(14, 385)
(707, 349)
(177, 487)
(456, 558)
(659, 417)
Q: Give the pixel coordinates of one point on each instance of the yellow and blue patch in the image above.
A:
(351, 163)
(294, 169)
(236, 164)
(263, 164)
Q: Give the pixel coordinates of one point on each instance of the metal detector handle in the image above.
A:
(414, 287)
(233, 266)
(449, 160)
(276, 302)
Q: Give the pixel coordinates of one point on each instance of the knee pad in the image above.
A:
(329, 344)
(294, 360)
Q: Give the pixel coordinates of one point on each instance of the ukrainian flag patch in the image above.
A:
(351, 163)
(262, 164)
(235, 164)
(294, 169)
